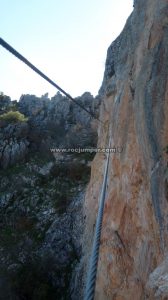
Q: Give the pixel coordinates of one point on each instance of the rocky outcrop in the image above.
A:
(157, 285)
(57, 123)
(60, 122)
(5, 102)
(13, 143)
(134, 110)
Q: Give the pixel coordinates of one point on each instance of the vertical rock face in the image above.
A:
(134, 239)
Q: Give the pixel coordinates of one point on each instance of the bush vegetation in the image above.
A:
(13, 117)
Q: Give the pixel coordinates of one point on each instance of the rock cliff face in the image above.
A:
(41, 195)
(134, 109)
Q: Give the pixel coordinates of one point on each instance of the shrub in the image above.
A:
(13, 117)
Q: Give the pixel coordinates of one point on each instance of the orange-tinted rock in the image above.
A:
(134, 110)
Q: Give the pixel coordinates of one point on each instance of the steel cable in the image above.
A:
(91, 277)
(30, 65)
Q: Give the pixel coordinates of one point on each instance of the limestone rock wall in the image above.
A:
(134, 110)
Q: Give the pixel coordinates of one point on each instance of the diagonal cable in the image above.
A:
(30, 65)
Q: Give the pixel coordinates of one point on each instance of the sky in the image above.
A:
(65, 39)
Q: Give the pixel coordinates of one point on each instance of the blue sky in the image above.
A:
(66, 39)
